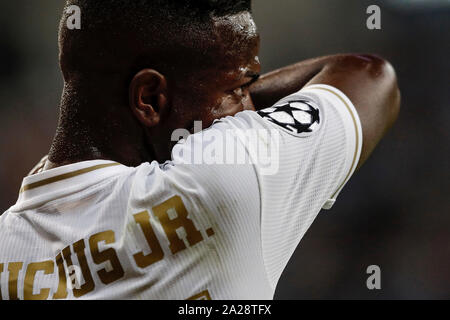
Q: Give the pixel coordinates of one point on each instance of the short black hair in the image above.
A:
(143, 33)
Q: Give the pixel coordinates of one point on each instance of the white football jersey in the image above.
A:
(219, 221)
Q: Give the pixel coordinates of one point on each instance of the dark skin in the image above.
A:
(157, 106)
(217, 93)
(368, 81)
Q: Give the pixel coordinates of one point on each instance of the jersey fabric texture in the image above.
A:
(196, 227)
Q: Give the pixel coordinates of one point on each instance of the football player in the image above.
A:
(120, 209)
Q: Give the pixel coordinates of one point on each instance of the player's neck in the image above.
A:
(88, 132)
(66, 151)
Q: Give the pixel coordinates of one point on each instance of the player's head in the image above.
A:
(153, 66)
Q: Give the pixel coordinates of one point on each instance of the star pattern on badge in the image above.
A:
(298, 116)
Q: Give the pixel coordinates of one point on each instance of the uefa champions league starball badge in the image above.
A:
(298, 117)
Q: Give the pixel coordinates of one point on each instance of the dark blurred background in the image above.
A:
(394, 213)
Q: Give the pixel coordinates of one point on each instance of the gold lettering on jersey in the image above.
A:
(66, 268)
(88, 285)
(1, 270)
(14, 269)
(61, 292)
(47, 267)
(204, 295)
(157, 254)
(170, 226)
(179, 230)
(106, 255)
(67, 254)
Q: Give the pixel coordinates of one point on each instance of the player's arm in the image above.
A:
(368, 81)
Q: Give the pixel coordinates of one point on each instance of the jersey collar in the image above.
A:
(45, 186)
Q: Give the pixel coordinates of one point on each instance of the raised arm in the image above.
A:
(368, 81)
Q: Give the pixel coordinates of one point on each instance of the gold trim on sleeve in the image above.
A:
(357, 136)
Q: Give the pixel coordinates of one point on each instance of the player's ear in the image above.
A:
(148, 96)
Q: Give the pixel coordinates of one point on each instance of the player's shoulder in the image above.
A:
(149, 177)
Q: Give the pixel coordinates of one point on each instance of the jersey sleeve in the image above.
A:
(288, 161)
(317, 156)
